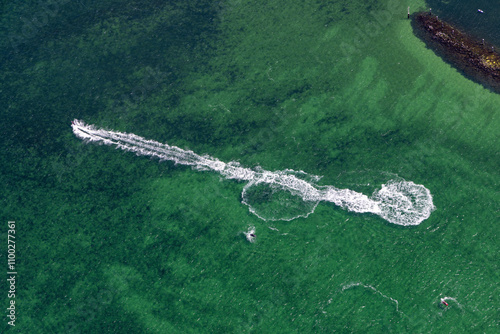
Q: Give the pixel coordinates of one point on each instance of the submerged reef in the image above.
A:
(476, 59)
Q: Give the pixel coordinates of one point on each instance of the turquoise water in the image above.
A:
(108, 241)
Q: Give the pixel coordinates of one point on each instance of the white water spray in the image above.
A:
(399, 202)
(250, 234)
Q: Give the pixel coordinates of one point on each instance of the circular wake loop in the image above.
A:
(404, 202)
(282, 195)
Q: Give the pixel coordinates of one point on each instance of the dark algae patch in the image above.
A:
(476, 59)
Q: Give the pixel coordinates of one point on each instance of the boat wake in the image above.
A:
(280, 195)
(365, 286)
(444, 301)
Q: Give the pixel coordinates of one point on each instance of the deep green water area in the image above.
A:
(111, 242)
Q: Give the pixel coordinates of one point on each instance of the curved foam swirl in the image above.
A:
(404, 202)
(280, 195)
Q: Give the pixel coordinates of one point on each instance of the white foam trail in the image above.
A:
(399, 202)
(352, 285)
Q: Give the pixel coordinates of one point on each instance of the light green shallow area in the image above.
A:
(390, 107)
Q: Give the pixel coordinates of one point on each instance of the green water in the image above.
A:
(108, 242)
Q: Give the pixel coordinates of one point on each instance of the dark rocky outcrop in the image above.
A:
(476, 59)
